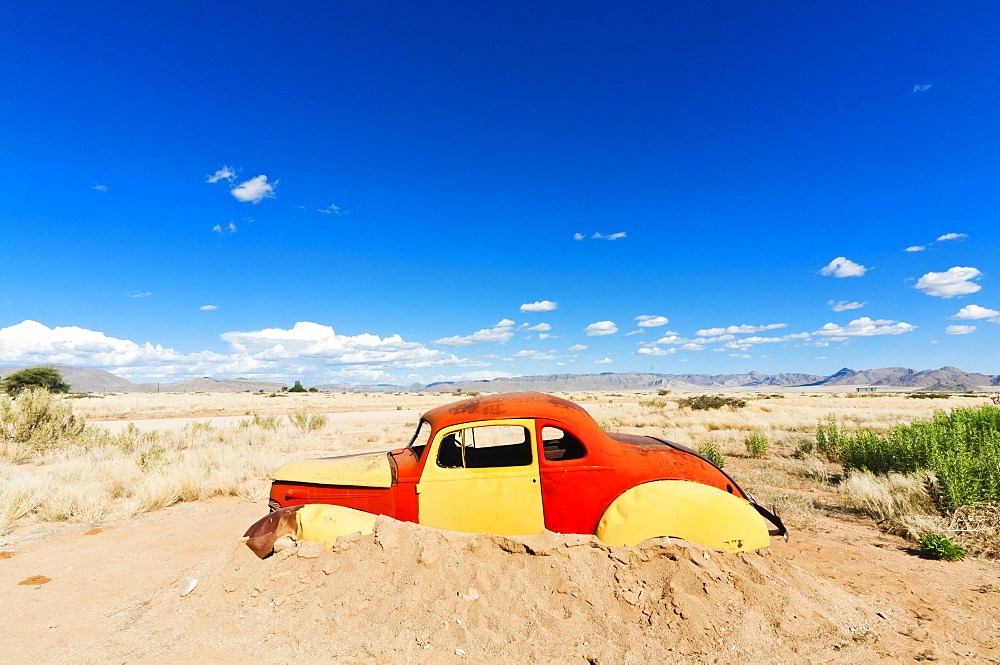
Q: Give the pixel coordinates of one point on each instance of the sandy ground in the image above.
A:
(844, 594)
(840, 592)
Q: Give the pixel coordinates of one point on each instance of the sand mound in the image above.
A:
(413, 594)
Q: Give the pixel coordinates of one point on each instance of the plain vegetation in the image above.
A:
(913, 468)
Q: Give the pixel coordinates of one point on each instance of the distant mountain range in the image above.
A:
(946, 378)
(90, 380)
(82, 379)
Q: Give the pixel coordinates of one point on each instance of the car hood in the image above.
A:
(365, 470)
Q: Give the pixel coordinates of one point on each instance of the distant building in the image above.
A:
(866, 390)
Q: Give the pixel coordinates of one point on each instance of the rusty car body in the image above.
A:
(518, 464)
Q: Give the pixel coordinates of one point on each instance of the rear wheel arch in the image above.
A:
(685, 509)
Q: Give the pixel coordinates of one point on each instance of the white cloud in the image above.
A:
(541, 326)
(844, 305)
(844, 267)
(498, 334)
(100, 188)
(539, 306)
(952, 236)
(225, 173)
(544, 336)
(210, 308)
(866, 327)
(578, 347)
(975, 312)
(605, 361)
(655, 351)
(532, 355)
(740, 355)
(922, 87)
(609, 236)
(959, 330)
(601, 328)
(635, 332)
(955, 281)
(735, 330)
(307, 341)
(139, 294)
(307, 349)
(691, 346)
(916, 248)
(330, 210)
(31, 342)
(228, 228)
(651, 321)
(254, 190)
(578, 236)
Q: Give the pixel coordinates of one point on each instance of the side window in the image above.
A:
(485, 447)
(560, 445)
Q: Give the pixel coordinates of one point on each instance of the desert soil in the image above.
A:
(840, 592)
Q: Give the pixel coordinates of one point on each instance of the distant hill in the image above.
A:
(83, 379)
(90, 380)
(946, 378)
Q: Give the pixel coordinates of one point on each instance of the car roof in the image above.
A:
(512, 405)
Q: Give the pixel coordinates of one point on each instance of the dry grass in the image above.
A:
(118, 476)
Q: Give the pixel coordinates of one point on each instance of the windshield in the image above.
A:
(420, 438)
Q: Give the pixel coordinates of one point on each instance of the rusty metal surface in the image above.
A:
(268, 529)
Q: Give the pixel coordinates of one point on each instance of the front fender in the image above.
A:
(316, 522)
(684, 509)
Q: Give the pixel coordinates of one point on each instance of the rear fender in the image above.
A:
(684, 509)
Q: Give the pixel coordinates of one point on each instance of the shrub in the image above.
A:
(713, 454)
(35, 421)
(297, 388)
(44, 378)
(756, 445)
(962, 448)
(936, 546)
(704, 402)
(928, 395)
(306, 422)
(661, 393)
(653, 403)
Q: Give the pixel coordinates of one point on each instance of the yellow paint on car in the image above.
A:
(505, 500)
(367, 470)
(683, 509)
(320, 522)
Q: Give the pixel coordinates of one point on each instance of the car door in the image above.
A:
(482, 477)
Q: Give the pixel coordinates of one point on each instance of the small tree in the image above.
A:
(46, 378)
(297, 388)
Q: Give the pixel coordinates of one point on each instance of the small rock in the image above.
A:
(186, 586)
(459, 652)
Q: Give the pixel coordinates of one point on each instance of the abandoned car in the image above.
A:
(518, 464)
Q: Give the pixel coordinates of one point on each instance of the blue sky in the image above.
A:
(397, 192)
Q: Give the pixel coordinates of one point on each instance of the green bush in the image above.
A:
(297, 388)
(962, 448)
(928, 396)
(713, 454)
(756, 445)
(936, 546)
(45, 378)
(704, 402)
